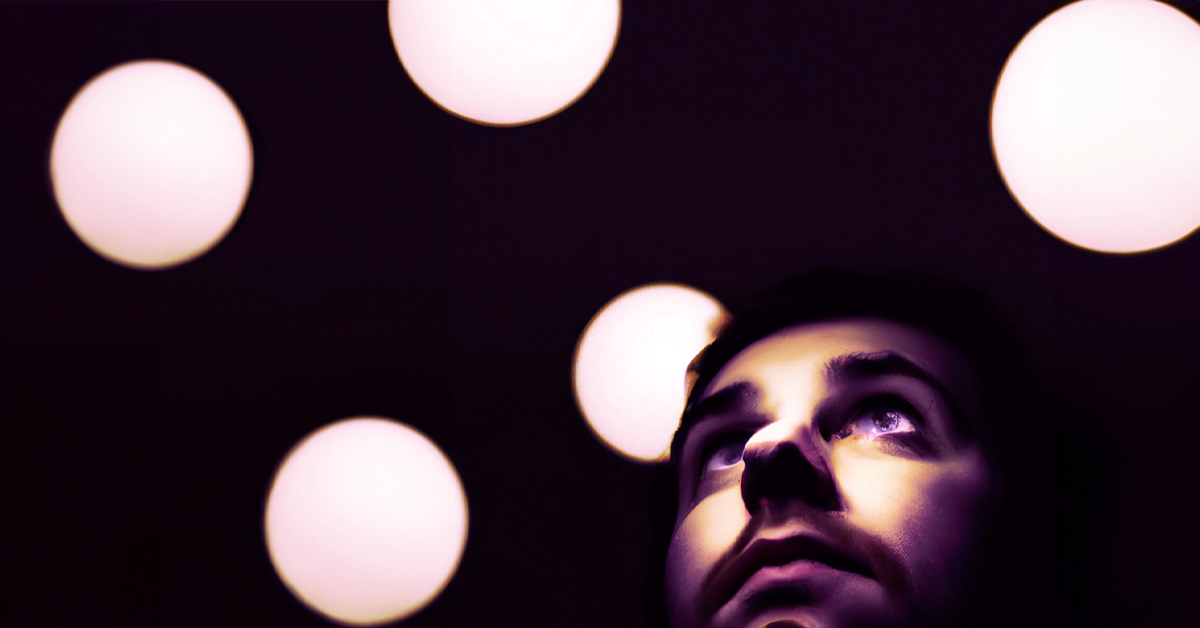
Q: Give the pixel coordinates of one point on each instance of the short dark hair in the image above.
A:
(1029, 525)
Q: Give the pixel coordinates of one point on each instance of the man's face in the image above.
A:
(828, 478)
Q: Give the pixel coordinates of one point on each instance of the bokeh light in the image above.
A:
(631, 365)
(366, 521)
(504, 63)
(151, 164)
(1095, 125)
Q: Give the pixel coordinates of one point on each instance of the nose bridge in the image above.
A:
(794, 427)
(788, 458)
(793, 395)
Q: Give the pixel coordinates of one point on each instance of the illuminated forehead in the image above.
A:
(798, 355)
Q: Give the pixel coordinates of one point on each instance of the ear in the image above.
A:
(690, 380)
(715, 328)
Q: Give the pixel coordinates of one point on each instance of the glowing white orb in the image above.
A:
(151, 164)
(631, 365)
(1095, 124)
(366, 521)
(504, 62)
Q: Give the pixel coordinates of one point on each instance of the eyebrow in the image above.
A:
(859, 365)
(728, 399)
(843, 368)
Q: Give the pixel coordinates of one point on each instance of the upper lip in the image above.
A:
(766, 552)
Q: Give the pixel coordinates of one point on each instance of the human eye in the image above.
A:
(891, 419)
(723, 452)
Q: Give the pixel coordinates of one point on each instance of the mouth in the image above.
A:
(796, 557)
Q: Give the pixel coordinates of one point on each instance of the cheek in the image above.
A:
(880, 491)
(927, 512)
(706, 533)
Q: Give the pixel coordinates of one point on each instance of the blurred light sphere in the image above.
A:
(504, 62)
(631, 365)
(1096, 124)
(151, 164)
(366, 521)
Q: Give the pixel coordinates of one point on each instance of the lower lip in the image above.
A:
(796, 568)
(802, 573)
(776, 592)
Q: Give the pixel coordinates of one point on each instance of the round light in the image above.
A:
(504, 63)
(1095, 125)
(631, 365)
(151, 164)
(366, 521)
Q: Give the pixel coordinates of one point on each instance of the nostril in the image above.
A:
(781, 472)
(771, 471)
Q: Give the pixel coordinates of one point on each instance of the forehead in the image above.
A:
(795, 353)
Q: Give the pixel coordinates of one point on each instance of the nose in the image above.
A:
(794, 467)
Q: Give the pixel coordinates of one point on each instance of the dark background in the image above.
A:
(395, 260)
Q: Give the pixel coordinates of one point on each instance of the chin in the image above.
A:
(786, 619)
(848, 612)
